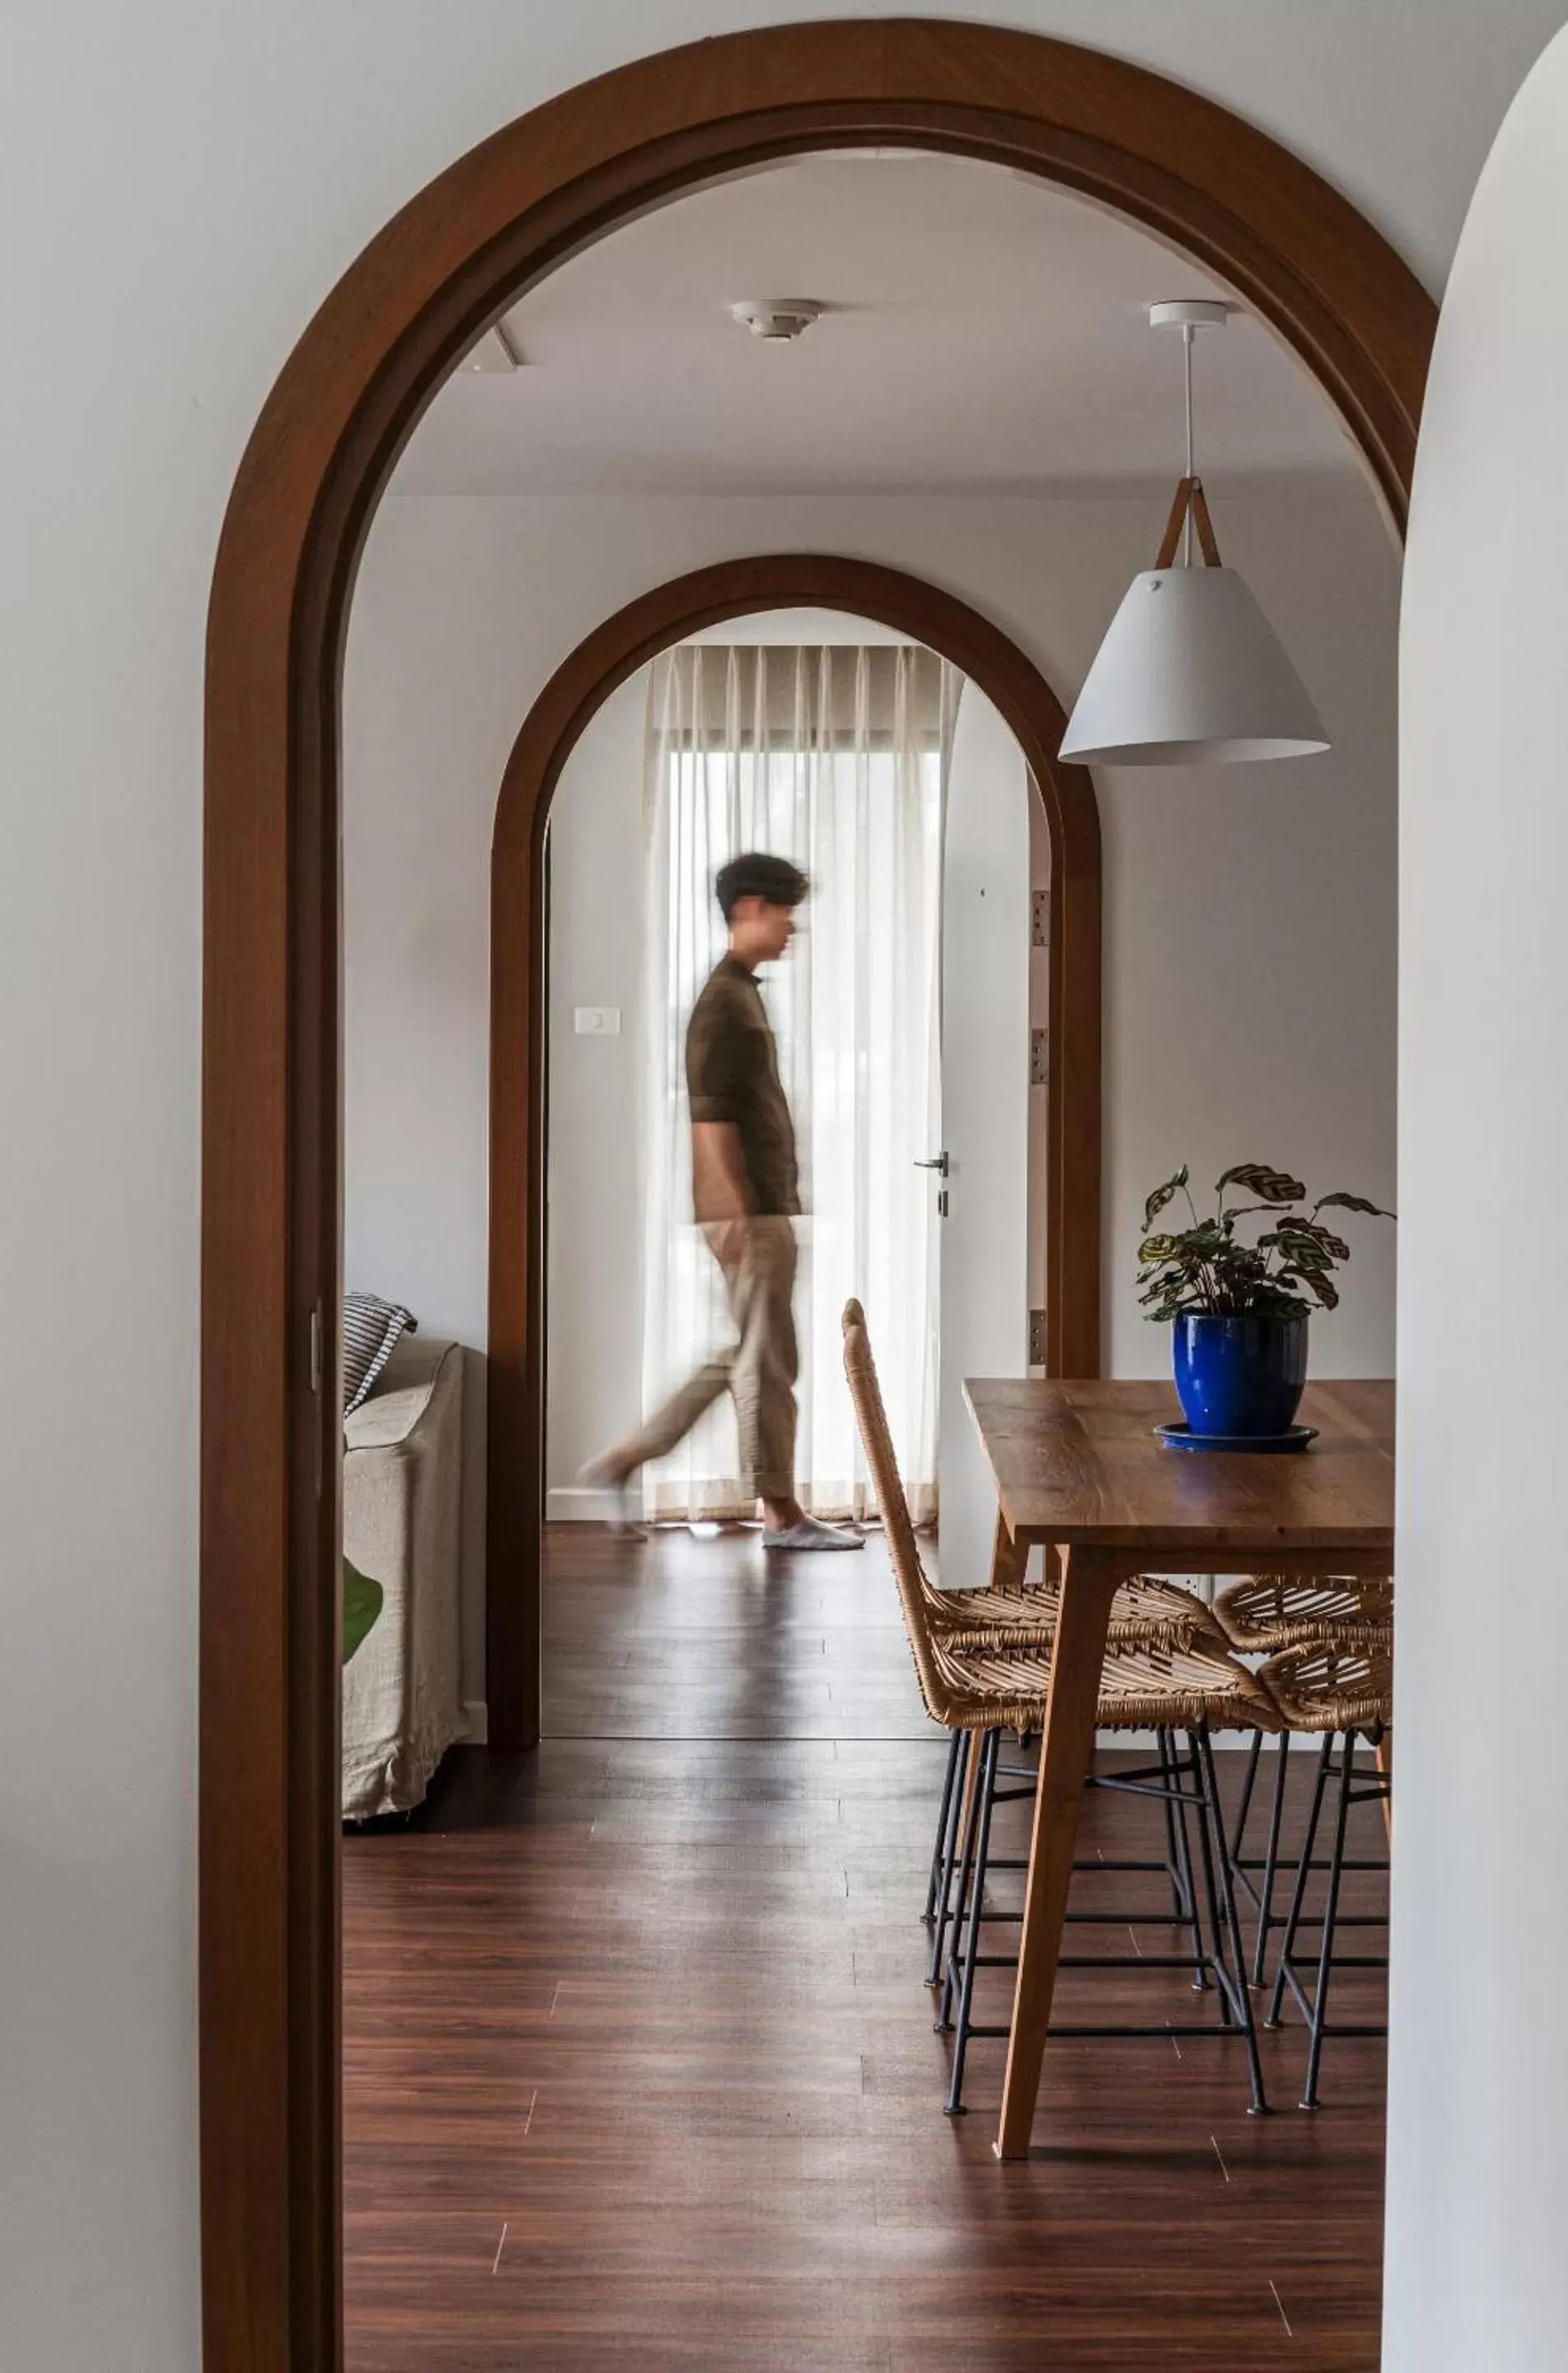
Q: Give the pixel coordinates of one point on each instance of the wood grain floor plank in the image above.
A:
(647, 2004)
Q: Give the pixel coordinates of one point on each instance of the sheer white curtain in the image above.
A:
(834, 757)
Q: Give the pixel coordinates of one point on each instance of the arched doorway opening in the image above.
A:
(614, 651)
(494, 223)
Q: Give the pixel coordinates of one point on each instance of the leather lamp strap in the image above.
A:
(1189, 492)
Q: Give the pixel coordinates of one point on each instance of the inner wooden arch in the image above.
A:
(613, 652)
(454, 258)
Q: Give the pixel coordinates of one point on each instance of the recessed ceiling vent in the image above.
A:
(777, 319)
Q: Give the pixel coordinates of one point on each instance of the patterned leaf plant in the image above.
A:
(1209, 1268)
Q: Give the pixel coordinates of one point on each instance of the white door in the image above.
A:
(985, 1094)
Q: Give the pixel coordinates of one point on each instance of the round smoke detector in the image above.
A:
(777, 319)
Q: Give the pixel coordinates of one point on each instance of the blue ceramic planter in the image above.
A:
(1240, 1376)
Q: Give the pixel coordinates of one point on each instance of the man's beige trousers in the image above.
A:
(758, 1370)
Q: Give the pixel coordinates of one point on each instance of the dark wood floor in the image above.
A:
(639, 2068)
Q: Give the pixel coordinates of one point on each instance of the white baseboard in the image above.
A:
(579, 1504)
(476, 1714)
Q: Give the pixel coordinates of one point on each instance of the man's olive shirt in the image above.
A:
(732, 1075)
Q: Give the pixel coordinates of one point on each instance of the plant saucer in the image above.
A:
(1181, 1437)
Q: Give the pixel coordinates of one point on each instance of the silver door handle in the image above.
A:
(937, 1162)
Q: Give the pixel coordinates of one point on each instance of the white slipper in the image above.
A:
(812, 1534)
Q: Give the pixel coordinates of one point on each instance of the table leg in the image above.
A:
(1065, 1751)
(1008, 1560)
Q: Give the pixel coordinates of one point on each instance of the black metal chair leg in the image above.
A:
(1298, 1893)
(1184, 1863)
(1181, 1901)
(939, 1851)
(1270, 1859)
(1247, 1785)
(963, 1742)
(1175, 1812)
(1205, 1825)
(984, 1789)
(1234, 1956)
(966, 1878)
(1330, 1913)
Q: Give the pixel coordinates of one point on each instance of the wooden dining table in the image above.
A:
(1080, 1468)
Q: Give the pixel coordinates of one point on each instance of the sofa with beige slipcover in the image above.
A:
(402, 1516)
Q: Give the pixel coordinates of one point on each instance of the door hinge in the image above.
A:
(317, 1337)
(1040, 917)
(1039, 1068)
(1038, 1339)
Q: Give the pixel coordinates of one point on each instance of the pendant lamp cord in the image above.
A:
(1187, 373)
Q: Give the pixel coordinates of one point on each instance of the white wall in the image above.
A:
(1477, 2111)
(594, 1319)
(1250, 911)
(184, 183)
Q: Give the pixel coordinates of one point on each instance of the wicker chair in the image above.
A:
(1145, 1610)
(1337, 1693)
(985, 1686)
(1261, 1615)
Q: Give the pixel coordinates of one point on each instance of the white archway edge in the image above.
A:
(1478, 2135)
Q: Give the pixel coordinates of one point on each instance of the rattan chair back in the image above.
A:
(1329, 1687)
(871, 1415)
(1266, 1612)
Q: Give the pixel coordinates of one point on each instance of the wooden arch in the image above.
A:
(492, 225)
(607, 657)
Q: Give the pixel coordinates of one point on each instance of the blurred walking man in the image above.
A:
(746, 1192)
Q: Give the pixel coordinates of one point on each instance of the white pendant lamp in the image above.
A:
(1191, 673)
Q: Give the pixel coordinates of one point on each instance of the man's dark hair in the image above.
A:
(757, 875)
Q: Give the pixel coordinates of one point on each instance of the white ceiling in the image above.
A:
(984, 331)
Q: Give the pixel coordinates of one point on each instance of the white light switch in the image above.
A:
(597, 1021)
